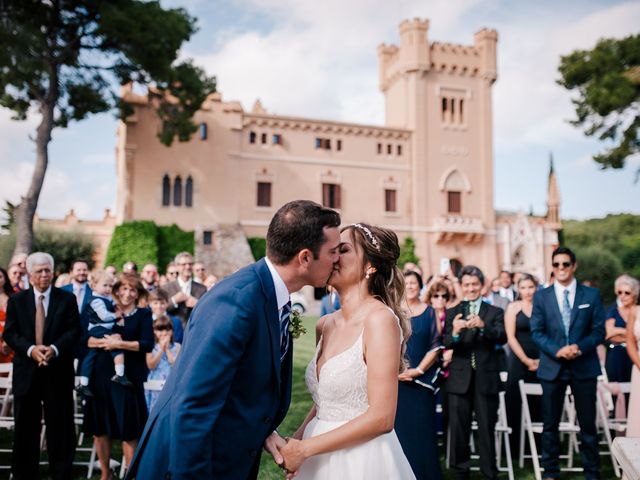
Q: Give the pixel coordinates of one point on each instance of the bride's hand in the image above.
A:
(294, 454)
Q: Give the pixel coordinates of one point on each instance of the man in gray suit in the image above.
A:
(184, 292)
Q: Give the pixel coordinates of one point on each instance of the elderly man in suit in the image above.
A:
(474, 330)
(567, 324)
(231, 384)
(42, 327)
(184, 292)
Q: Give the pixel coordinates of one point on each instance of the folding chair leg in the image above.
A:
(507, 448)
(534, 455)
(521, 443)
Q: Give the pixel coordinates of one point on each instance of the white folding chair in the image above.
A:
(6, 396)
(6, 421)
(502, 433)
(568, 425)
(604, 405)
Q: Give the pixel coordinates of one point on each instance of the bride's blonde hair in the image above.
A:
(380, 248)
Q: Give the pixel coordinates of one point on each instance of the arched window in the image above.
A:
(177, 191)
(188, 192)
(166, 191)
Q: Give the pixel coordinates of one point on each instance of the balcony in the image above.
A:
(449, 226)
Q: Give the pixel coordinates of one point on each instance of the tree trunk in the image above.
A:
(26, 210)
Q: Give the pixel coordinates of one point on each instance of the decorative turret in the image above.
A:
(485, 42)
(553, 195)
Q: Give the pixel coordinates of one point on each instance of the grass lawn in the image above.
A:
(300, 405)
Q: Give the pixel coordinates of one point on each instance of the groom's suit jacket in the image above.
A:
(227, 391)
(586, 329)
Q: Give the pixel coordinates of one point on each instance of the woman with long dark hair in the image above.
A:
(353, 377)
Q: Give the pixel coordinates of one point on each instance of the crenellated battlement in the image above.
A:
(415, 53)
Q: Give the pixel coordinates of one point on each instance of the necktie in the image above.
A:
(78, 292)
(40, 321)
(566, 313)
(473, 311)
(284, 329)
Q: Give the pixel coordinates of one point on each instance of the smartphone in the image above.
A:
(445, 265)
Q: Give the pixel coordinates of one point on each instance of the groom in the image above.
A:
(231, 384)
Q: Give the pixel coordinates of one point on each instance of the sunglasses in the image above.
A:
(558, 264)
(440, 295)
(623, 292)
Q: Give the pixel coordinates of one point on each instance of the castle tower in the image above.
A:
(553, 196)
(442, 92)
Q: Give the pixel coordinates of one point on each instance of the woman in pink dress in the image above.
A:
(627, 289)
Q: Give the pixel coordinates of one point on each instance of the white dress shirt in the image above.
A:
(507, 293)
(79, 290)
(45, 302)
(185, 286)
(559, 291)
(282, 292)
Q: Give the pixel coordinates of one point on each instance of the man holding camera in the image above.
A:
(474, 330)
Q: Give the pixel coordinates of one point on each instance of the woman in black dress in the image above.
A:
(116, 411)
(415, 422)
(524, 359)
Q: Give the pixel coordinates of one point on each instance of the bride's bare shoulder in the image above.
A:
(381, 318)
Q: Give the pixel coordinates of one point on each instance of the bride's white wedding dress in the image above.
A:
(340, 394)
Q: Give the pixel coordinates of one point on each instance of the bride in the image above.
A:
(353, 377)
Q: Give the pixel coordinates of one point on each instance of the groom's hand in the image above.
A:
(273, 444)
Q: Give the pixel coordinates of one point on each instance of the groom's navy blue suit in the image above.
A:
(227, 391)
(586, 330)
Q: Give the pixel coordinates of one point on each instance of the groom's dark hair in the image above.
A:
(298, 225)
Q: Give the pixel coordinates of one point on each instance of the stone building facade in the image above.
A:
(427, 173)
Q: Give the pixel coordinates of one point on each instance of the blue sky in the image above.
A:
(318, 60)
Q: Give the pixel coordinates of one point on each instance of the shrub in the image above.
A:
(65, 247)
(601, 267)
(133, 241)
(408, 252)
(258, 247)
(171, 241)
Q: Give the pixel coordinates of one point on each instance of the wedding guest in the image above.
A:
(199, 272)
(130, 267)
(618, 363)
(415, 422)
(474, 330)
(185, 291)
(6, 354)
(79, 285)
(15, 278)
(158, 302)
(116, 411)
(20, 259)
(567, 324)
(42, 327)
(149, 277)
(633, 343)
(525, 356)
(506, 285)
(330, 302)
(493, 296)
(162, 357)
(111, 269)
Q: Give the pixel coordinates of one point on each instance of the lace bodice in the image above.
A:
(341, 392)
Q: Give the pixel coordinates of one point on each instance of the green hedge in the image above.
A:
(144, 242)
(258, 247)
(408, 252)
(171, 241)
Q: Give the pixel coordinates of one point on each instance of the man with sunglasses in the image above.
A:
(567, 324)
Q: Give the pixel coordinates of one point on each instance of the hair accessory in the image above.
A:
(368, 234)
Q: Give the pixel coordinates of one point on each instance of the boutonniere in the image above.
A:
(296, 328)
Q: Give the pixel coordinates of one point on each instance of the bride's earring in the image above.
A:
(367, 276)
